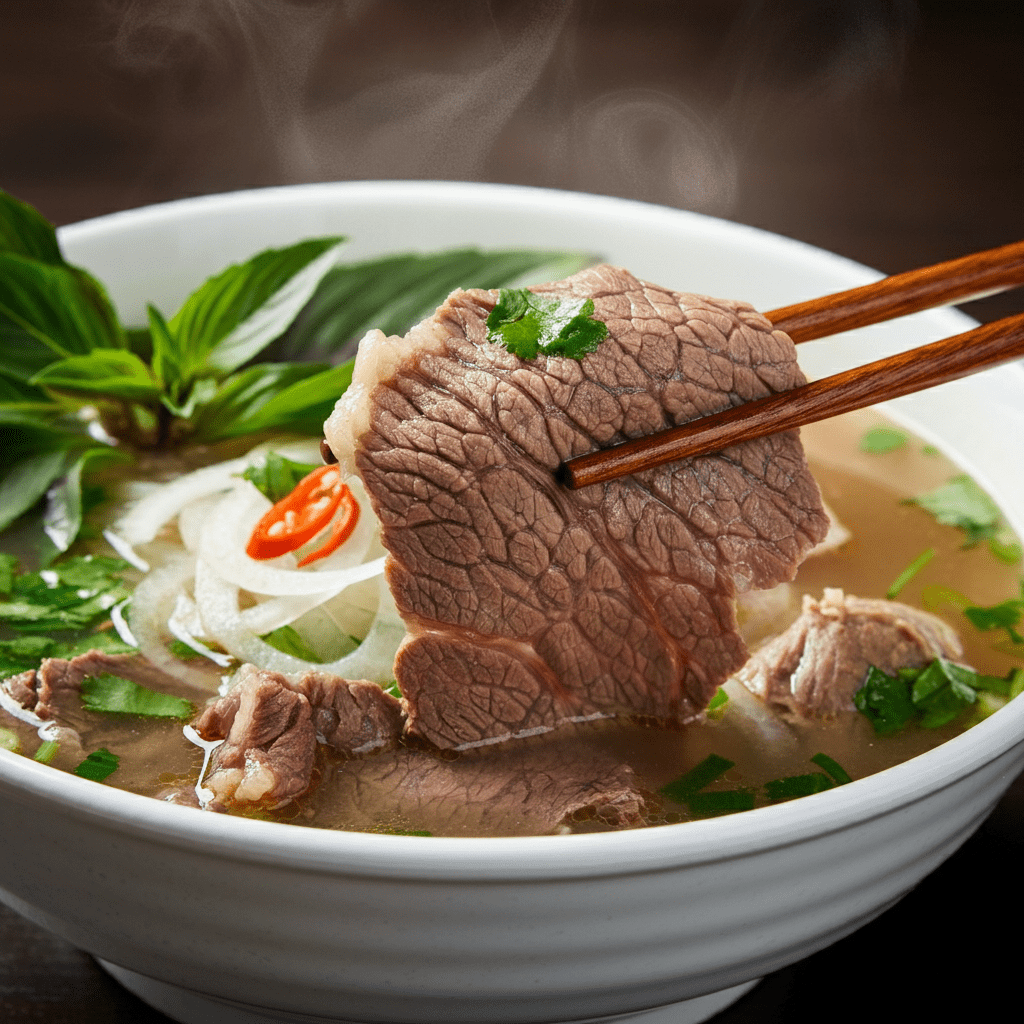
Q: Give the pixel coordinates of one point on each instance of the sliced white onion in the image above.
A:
(217, 600)
(223, 541)
(119, 623)
(185, 623)
(152, 605)
(756, 720)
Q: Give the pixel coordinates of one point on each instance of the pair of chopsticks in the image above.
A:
(957, 280)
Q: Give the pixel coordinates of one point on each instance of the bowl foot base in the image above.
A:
(189, 1007)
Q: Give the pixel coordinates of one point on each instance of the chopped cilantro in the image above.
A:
(838, 773)
(46, 752)
(277, 477)
(880, 440)
(1016, 682)
(960, 502)
(703, 774)
(1006, 615)
(885, 700)
(909, 573)
(112, 695)
(797, 785)
(73, 594)
(931, 695)
(528, 324)
(99, 765)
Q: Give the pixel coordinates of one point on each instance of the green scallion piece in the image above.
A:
(703, 774)
(797, 785)
(47, 751)
(99, 765)
(832, 768)
(909, 573)
(724, 801)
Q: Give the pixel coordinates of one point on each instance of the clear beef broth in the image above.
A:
(865, 492)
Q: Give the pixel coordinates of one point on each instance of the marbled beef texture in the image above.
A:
(529, 604)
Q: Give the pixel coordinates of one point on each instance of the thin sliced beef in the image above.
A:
(51, 694)
(270, 726)
(526, 788)
(815, 667)
(528, 604)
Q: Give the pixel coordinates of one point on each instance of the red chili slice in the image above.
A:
(301, 515)
(341, 529)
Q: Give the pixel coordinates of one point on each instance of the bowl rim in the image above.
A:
(466, 859)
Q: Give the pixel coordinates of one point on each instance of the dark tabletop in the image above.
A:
(889, 131)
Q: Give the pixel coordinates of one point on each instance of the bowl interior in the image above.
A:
(161, 253)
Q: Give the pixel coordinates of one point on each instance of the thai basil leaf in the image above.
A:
(168, 361)
(105, 373)
(237, 313)
(394, 292)
(301, 407)
(25, 231)
(277, 477)
(60, 306)
(26, 482)
(244, 394)
(8, 568)
(65, 506)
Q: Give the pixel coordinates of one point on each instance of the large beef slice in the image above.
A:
(529, 604)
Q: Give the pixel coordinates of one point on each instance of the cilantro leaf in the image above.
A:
(960, 502)
(24, 653)
(1005, 615)
(99, 765)
(528, 325)
(113, 695)
(885, 700)
(880, 440)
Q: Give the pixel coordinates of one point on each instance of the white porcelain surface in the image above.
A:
(353, 927)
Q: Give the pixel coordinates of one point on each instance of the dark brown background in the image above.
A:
(889, 131)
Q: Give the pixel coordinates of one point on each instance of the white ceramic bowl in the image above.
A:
(213, 918)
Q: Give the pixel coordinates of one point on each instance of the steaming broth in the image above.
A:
(887, 536)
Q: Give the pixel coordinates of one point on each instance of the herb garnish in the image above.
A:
(880, 440)
(690, 787)
(931, 696)
(78, 390)
(909, 573)
(99, 765)
(112, 695)
(528, 324)
(277, 476)
(960, 502)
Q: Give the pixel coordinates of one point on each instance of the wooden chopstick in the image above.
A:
(884, 379)
(981, 273)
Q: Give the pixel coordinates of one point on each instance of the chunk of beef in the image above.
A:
(816, 666)
(528, 604)
(270, 726)
(526, 788)
(269, 745)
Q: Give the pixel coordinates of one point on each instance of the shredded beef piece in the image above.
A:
(517, 789)
(815, 667)
(270, 727)
(528, 604)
